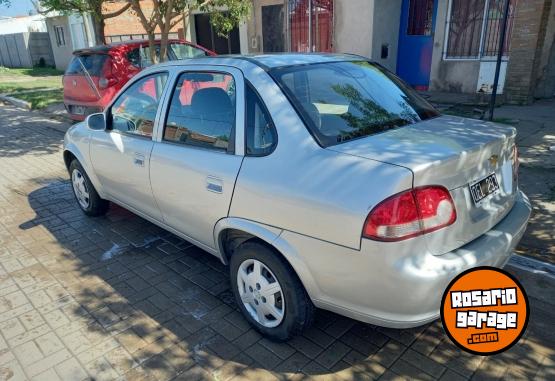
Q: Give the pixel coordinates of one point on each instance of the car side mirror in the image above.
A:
(96, 121)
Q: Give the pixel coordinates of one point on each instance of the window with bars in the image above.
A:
(474, 28)
(60, 37)
(311, 25)
(420, 17)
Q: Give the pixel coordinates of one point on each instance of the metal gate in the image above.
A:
(310, 25)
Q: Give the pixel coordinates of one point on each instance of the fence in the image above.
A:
(311, 25)
(144, 36)
(25, 49)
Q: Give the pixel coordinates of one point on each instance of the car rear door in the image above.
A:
(120, 155)
(199, 150)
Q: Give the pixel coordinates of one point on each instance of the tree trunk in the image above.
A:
(164, 43)
(99, 30)
(151, 48)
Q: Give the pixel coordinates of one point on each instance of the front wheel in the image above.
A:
(88, 199)
(268, 292)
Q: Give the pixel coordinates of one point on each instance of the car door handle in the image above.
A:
(139, 159)
(214, 184)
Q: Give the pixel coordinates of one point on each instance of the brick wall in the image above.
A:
(128, 22)
(526, 47)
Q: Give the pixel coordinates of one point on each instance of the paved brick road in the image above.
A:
(117, 297)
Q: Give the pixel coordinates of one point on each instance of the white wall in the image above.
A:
(24, 24)
(62, 54)
(387, 16)
(353, 21)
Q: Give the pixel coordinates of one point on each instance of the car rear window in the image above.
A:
(341, 101)
(94, 64)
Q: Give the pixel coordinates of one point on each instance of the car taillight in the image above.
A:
(411, 213)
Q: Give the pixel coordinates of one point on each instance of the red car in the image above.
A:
(96, 74)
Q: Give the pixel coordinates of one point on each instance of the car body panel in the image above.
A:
(396, 284)
(453, 152)
(193, 186)
(310, 203)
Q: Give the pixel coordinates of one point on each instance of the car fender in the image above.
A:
(84, 161)
(273, 237)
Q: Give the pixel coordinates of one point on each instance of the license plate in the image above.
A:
(79, 110)
(483, 188)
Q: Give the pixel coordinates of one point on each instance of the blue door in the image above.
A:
(416, 42)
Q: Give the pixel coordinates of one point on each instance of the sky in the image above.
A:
(17, 8)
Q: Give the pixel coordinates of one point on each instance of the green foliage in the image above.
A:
(69, 6)
(224, 22)
(41, 99)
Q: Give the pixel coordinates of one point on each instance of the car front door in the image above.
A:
(120, 155)
(196, 158)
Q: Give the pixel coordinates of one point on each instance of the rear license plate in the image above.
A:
(483, 188)
(79, 110)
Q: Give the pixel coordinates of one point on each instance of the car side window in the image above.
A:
(202, 111)
(140, 57)
(135, 109)
(260, 132)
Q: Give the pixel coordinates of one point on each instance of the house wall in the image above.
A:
(25, 49)
(387, 14)
(527, 44)
(545, 81)
(128, 22)
(23, 24)
(353, 26)
(62, 54)
(458, 76)
(40, 47)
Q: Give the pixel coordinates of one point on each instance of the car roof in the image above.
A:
(274, 60)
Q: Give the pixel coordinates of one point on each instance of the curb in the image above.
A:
(16, 102)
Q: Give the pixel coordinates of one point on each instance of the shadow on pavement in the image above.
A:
(169, 305)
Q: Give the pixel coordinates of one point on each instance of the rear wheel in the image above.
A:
(88, 199)
(268, 292)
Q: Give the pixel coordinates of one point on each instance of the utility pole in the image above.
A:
(499, 58)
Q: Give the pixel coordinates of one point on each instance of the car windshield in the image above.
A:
(341, 101)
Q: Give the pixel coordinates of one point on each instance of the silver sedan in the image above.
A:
(321, 180)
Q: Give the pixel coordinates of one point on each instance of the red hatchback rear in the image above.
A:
(96, 74)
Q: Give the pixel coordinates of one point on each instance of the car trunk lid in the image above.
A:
(453, 152)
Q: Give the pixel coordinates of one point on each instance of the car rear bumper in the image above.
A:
(396, 284)
(88, 108)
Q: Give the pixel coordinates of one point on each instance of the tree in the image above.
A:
(166, 14)
(92, 7)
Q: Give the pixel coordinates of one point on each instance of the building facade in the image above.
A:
(437, 45)
(68, 33)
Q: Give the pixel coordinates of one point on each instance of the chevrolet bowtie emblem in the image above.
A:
(493, 160)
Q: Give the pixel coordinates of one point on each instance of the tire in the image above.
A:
(292, 300)
(91, 204)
